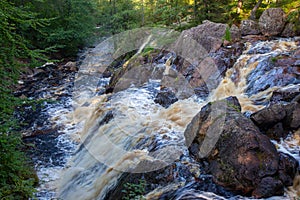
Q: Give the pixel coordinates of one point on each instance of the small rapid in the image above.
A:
(109, 135)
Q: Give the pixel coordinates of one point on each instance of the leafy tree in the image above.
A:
(217, 10)
(117, 16)
(16, 176)
(15, 24)
(72, 24)
(170, 13)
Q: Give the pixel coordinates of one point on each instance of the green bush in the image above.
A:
(17, 179)
(134, 191)
(71, 23)
(227, 35)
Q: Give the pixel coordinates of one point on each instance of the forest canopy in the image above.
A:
(118, 15)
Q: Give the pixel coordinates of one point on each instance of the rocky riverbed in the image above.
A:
(202, 118)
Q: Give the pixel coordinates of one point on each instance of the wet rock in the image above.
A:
(249, 27)
(31, 118)
(165, 97)
(137, 71)
(178, 84)
(271, 72)
(172, 175)
(254, 38)
(202, 91)
(225, 57)
(200, 77)
(268, 187)
(289, 30)
(72, 66)
(288, 167)
(44, 149)
(240, 157)
(277, 120)
(40, 82)
(192, 191)
(36, 133)
(203, 61)
(272, 21)
(285, 94)
(153, 180)
(297, 54)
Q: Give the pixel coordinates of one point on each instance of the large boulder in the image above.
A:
(209, 35)
(239, 156)
(289, 30)
(249, 27)
(272, 21)
(278, 120)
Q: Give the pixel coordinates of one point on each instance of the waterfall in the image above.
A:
(127, 131)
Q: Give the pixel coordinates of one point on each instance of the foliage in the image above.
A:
(227, 35)
(117, 16)
(16, 175)
(15, 24)
(30, 31)
(134, 191)
(17, 179)
(294, 18)
(71, 24)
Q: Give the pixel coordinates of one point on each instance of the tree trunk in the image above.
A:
(253, 11)
(143, 13)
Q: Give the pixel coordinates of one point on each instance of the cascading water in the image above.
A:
(128, 132)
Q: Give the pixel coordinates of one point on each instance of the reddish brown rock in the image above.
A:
(240, 157)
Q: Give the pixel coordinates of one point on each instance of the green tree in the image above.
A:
(117, 16)
(17, 178)
(216, 10)
(72, 24)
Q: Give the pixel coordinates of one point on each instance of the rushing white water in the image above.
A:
(118, 131)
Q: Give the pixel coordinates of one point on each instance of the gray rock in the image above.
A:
(272, 21)
(289, 30)
(235, 33)
(209, 35)
(249, 27)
